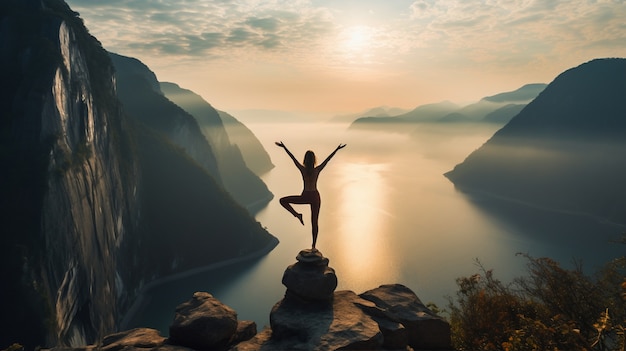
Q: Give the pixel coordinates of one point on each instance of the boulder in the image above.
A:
(310, 279)
(245, 331)
(425, 330)
(203, 323)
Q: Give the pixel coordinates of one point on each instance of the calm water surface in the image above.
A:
(388, 216)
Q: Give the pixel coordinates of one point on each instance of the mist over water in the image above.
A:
(388, 215)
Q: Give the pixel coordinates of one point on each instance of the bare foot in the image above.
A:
(299, 216)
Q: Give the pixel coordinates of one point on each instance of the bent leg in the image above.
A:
(294, 199)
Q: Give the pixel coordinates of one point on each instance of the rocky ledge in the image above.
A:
(311, 316)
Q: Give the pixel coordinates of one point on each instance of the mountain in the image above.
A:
(524, 94)
(380, 111)
(497, 108)
(245, 186)
(429, 112)
(139, 90)
(94, 202)
(504, 114)
(254, 154)
(565, 150)
(479, 110)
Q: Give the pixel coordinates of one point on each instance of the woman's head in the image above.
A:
(309, 159)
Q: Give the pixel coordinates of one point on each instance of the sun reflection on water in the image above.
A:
(363, 235)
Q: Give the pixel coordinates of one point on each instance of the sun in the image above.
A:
(356, 39)
(355, 46)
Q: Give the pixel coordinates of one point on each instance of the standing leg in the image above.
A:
(294, 199)
(315, 213)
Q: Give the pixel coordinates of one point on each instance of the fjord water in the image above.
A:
(388, 215)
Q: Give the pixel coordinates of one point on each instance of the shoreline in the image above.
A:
(477, 194)
(256, 206)
(141, 296)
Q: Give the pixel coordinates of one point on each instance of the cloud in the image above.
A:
(267, 24)
(495, 30)
(199, 28)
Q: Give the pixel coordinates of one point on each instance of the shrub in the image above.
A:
(551, 308)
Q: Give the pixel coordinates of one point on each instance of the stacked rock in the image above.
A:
(310, 279)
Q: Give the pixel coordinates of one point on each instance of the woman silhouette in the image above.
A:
(309, 195)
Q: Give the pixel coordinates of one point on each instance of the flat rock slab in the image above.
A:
(340, 324)
(139, 338)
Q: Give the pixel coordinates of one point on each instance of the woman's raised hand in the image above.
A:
(341, 146)
(280, 143)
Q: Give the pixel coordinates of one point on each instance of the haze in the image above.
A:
(326, 57)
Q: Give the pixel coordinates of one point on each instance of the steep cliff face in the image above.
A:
(93, 204)
(98, 206)
(62, 129)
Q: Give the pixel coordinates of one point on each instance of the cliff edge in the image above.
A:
(311, 316)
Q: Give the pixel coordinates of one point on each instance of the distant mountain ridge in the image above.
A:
(499, 108)
(565, 150)
(525, 94)
(380, 111)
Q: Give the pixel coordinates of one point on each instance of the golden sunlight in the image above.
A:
(364, 223)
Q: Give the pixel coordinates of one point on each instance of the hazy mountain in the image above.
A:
(254, 154)
(245, 186)
(497, 107)
(138, 89)
(524, 94)
(405, 123)
(479, 110)
(94, 203)
(250, 116)
(565, 150)
(504, 114)
(429, 112)
(380, 111)
(221, 128)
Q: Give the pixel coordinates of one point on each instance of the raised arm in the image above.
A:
(323, 164)
(293, 158)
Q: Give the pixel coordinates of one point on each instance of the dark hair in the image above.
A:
(309, 160)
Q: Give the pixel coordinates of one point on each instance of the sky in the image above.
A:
(344, 56)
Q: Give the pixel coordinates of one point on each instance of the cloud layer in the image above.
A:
(213, 29)
(390, 42)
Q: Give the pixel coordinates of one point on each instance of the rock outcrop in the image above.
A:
(390, 317)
